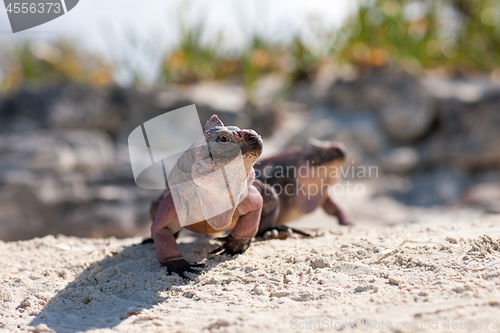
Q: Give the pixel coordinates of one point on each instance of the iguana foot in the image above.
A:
(283, 232)
(151, 240)
(147, 241)
(182, 266)
(345, 221)
(232, 245)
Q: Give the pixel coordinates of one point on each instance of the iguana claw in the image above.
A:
(232, 245)
(182, 266)
(283, 232)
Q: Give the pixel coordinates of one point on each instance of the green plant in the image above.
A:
(36, 63)
(193, 60)
(457, 34)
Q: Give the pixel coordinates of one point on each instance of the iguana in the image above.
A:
(216, 153)
(300, 178)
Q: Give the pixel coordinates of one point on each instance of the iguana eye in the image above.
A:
(223, 138)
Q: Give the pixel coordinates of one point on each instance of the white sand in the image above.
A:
(441, 273)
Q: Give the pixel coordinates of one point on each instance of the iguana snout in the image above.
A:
(251, 143)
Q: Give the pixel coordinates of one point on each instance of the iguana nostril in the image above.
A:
(250, 136)
(340, 152)
(251, 139)
(254, 139)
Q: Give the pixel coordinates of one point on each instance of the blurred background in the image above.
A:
(411, 87)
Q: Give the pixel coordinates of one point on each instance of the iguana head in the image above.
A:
(323, 161)
(226, 142)
(323, 152)
(211, 178)
(223, 170)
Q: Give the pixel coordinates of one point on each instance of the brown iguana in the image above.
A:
(203, 193)
(300, 178)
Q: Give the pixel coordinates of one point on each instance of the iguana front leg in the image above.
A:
(270, 213)
(167, 250)
(270, 206)
(247, 226)
(332, 207)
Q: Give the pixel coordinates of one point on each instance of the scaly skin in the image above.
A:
(243, 219)
(294, 201)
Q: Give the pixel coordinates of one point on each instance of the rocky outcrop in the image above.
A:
(469, 134)
(67, 181)
(64, 165)
(440, 135)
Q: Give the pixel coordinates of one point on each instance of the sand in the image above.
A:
(446, 274)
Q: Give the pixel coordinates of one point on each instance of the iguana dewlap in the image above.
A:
(206, 176)
(301, 178)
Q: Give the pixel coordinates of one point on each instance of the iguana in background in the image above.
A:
(300, 177)
(224, 144)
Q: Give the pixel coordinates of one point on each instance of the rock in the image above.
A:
(64, 163)
(405, 108)
(408, 119)
(409, 113)
(68, 106)
(230, 103)
(56, 151)
(60, 182)
(469, 135)
(459, 90)
(432, 187)
(279, 293)
(305, 93)
(35, 151)
(93, 150)
(319, 263)
(369, 136)
(394, 281)
(485, 196)
(367, 92)
(451, 240)
(400, 160)
(264, 120)
(218, 324)
(42, 328)
(447, 187)
(27, 110)
(227, 98)
(37, 204)
(85, 108)
(23, 216)
(268, 89)
(31, 210)
(107, 219)
(226, 101)
(115, 110)
(257, 290)
(365, 287)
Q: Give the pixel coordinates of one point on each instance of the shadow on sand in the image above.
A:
(111, 290)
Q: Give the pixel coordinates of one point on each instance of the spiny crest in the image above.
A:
(312, 143)
(212, 122)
